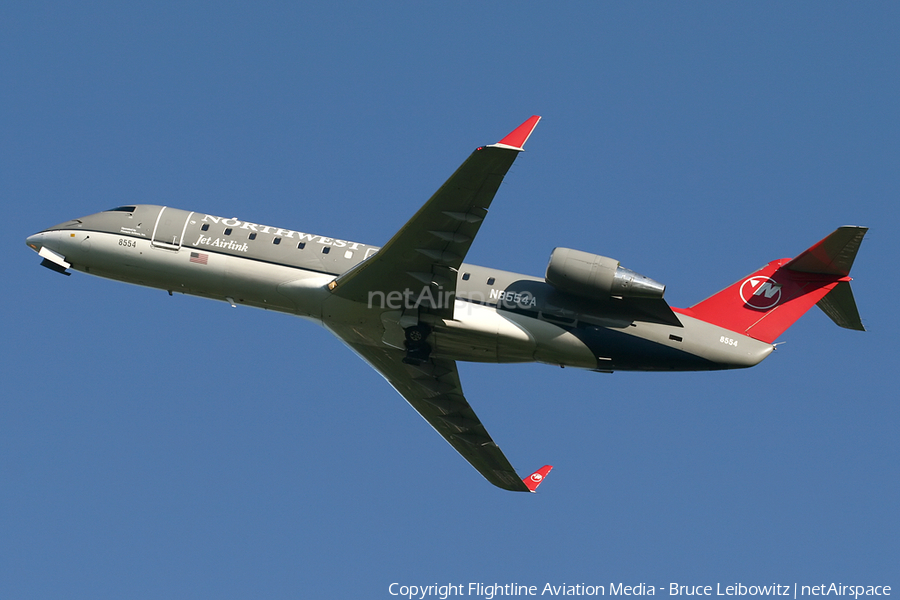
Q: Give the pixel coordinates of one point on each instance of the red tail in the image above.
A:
(765, 303)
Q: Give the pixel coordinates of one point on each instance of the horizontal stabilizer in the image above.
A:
(840, 306)
(832, 256)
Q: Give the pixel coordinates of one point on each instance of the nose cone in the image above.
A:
(36, 241)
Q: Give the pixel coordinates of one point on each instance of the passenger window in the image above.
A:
(490, 281)
(276, 241)
(204, 227)
(301, 245)
(326, 249)
(465, 276)
(228, 231)
(252, 236)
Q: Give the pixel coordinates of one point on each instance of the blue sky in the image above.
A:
(174, 447)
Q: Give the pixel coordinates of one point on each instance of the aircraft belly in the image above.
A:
(482, 334)
(554, 345)
(257, 283)
(721, 345)
(697, 346)
(307, 292)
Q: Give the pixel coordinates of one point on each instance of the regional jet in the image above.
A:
(412, 309)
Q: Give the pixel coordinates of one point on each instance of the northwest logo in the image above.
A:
(537, 477)
(761, 293)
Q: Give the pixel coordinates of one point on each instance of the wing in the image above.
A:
(434, 390)
(425, 255)
(423, 259)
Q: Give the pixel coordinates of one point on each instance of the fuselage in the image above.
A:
(498, 316)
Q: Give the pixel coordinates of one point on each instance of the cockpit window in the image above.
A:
(122, 209)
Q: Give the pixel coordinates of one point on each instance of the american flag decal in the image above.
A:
(199, 258)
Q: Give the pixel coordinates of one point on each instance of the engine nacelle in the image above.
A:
(597, 277)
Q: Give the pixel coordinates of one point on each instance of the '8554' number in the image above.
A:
(127, 243)
(727, 340)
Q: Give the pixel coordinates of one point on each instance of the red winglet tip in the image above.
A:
(537, 478)
(520, 134)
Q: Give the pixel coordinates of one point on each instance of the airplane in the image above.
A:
(412, 309)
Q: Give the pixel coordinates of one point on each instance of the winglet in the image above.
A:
(537, 478)
(516, 140)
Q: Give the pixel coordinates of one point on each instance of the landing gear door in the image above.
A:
(171, 223)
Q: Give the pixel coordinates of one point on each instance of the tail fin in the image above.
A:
(765, 303)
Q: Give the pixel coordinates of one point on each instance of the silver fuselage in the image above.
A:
(498, 316)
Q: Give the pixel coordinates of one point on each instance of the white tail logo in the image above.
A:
(761, 293)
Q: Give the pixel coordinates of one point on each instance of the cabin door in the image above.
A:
(170, 226)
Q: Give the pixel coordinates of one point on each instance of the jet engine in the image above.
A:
(597, 277)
